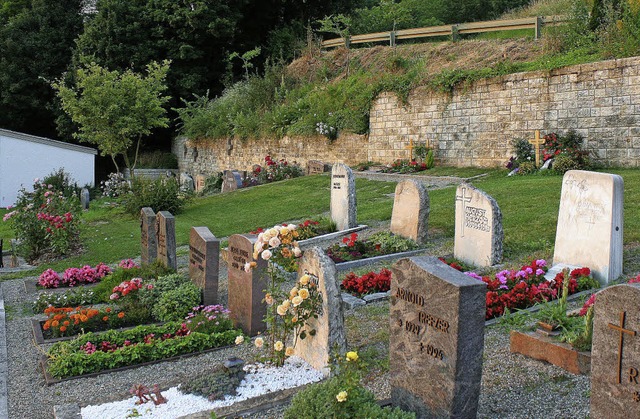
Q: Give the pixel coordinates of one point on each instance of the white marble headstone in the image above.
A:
(343, 197)
(410, 214)
(590, 223)
(478, 232)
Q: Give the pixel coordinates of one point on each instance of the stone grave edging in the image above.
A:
(31, 287)
(39, 336)
(343, 266)
(329, 236)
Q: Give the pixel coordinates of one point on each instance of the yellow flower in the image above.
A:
(259, 342)
(284, 231)
(293, 292)
(297, 300)
(281, 310)
(286, 304)
(268, 299)
(352, 356)
(304, 279)
(342, 396)
(304, 293)
(239, 340)
(278, 346)
(294, 319)
(288, 351)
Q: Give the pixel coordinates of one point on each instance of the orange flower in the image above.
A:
(66, 323)
(58, 317)
(121, 314)
(46, 326)
(105, 318)
(55, 323)
(63, 328)
(83, 318)
(108, 310)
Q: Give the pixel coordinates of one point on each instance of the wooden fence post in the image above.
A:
(1, 263)
(392, 38)
(454, 33)
(538, 27)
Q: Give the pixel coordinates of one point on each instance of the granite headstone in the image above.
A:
(590, 223)
(204, 263)
(187, 183)
(316, 166)
(85, 198)
(231, 181)
(615, 353)
(148, 242)
(166, 239)
(436, 339)
(246, 289)
(343, 197)
(410, 214)
(478, 231)
(329, 326)
(200, 183)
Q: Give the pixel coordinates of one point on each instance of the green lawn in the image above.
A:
(529, 206)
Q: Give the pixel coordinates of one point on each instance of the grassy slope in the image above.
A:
(529, 206)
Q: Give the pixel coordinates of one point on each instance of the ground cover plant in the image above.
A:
(73, 276)
(368, 283)
(378, 244)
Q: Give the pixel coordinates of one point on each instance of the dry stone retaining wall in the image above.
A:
(471, 126)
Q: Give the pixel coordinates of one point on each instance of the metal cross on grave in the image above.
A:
(536, 143)
(465, 199)
(410, 147)
(622, 331)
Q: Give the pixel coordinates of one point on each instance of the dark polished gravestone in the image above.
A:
(615, 353)
(436, 339)
(204, 263)
(166, 239)
(231, 181)
(148, 243)
(246, 289)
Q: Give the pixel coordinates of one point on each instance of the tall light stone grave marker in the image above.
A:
(478, 232)
(204, 263)
(148, 244)
(590, 223)
(343, 197)
(410, 214)
(615, 353)
(436, 339)
(246, 289)
(166, 239)
(329, 326)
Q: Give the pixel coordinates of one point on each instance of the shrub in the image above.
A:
(115, 185)
(162, 194)
(213, 184)
(273, 171)
(527, 167)
(564, 162)
(215, 384)
(103, 291)
(61, 182)
(157, 160)
(569, 145)
(524, 153)
(46, 222)
(175, 304)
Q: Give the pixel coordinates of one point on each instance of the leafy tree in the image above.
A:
(246, 59)
(35, 48)
(113, 108)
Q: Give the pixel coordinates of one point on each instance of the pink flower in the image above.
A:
(114, 296)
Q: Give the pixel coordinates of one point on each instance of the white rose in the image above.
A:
(274, 242)
(266, 254)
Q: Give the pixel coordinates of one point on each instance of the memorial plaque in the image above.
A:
(590, 223)
(436, 339)
(343, 197)
(246, 289)
(231, 181)
(166, 239)
(410, 214)
(478, 232)
(329, 326)
(148, 243)
(204, 263)
(615, 353)
(316, 166)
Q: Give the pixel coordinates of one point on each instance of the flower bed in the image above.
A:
(368, 283)
(379, 244)
(73, 276)
(92, 353)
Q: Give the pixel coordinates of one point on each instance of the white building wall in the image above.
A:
(22, 161)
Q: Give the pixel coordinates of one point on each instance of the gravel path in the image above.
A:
(512, 386)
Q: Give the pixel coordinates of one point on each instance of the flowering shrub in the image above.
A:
(406, 166)
(368, 283)
(73, 276)
(127, 264)
(208, 319)
(279, 245)
(524, 153)
(308, 228)
(272, 171)
(126, 294)
(115, 185)
(45, 222)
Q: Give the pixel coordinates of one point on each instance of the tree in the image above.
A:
(36, 45)
(112, 108)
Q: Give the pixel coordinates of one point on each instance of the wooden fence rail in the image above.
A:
(453, 31)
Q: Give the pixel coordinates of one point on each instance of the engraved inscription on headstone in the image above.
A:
(343, 197)
(204, 261)
(615, 353)
(246, 289)
(590, 223)
(148, 243)
(436, 338)
(166, 239)
(410, 214)
(478, 229)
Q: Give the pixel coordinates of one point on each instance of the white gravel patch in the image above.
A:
(260, 379)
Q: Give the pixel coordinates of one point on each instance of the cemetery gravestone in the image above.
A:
(186, 182)
(200, 183)
(478, 231)
(343, 197)
(246, 289)
(436, 338)
(231, 181)
(84, 198)
(148, 244)
(410, 214)
(615, 353)
(315, 166)
(590, 222)
(329, 326)
(166, 239)
(204, 263)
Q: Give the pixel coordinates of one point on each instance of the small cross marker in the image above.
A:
(410, 147)
(536, 143)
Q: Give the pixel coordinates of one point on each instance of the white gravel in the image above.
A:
(260, 379)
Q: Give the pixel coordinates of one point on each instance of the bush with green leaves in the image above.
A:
(523, 153)
(175, 304)
(45, 221)
(392, 243)
(162, 194)
(564, 162)
(215, 384)
(157, 160)
(104, 289)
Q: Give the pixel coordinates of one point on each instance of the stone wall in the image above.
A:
(467, 127)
